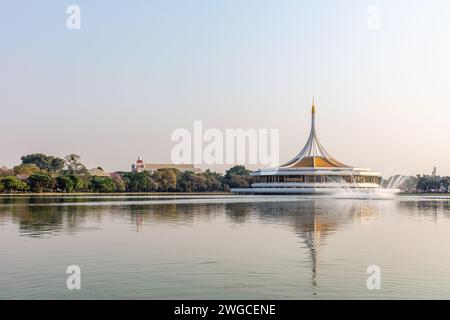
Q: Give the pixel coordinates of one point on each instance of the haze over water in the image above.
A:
(214, 247)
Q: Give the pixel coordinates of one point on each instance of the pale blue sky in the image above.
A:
(137, 70)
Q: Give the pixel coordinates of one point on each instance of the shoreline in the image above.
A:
(111, 193)
(55, 194)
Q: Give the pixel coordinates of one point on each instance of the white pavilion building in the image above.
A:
(313, 171)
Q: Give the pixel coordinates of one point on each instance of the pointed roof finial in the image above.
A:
(313, 109)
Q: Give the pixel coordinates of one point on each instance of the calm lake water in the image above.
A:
(230, 247)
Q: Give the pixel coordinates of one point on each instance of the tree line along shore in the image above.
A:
(40, 173)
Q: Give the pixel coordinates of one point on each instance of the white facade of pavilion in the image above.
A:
(313, 170)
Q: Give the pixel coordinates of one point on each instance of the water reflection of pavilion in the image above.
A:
(313, 220)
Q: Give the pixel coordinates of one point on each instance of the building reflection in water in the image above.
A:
(312, 220)
(138, 219)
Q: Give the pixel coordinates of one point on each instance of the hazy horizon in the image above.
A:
(117, 88)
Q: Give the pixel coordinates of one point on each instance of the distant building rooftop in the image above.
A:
(97, 172)
(140, 166)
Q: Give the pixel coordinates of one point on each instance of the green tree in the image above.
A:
(44, 162)
(213, 181)
(102, 184)
(426, 183)
(166, 179)
(40, 182)
(13, 184)
(139, 182)
(200, 183)
(189, 181)
(26, 169)
(65, 183)
(82, 183)
(73, 164)
(185, 181)
(237, 177)
(408, 184)
(119, 184)
(445, 184)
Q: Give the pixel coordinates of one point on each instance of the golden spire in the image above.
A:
(313, 109)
